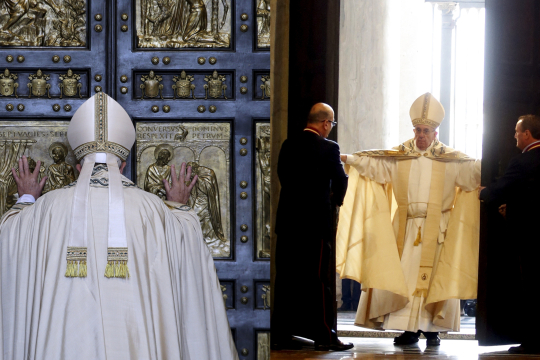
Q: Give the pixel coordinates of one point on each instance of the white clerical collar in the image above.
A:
(101, 158)
(423, 151)
(528, 147)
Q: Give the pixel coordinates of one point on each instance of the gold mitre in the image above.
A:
(101, 125)
(426, 110)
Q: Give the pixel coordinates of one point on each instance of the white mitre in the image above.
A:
(101, 125)
(100, 131)
(426, 110)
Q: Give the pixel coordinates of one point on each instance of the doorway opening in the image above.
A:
(391, 52)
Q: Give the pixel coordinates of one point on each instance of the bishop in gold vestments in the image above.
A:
(414, 272)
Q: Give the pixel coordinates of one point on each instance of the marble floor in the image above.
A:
(346, 328)
(383, 348)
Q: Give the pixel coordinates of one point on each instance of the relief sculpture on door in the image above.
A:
(43, 23)
(262, 171)
(183, 24)
(45, 141)
(205, 147)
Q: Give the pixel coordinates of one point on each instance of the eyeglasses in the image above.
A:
(425, 131)
(331, 121)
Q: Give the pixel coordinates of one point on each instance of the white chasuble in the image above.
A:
(409, 289)
(170, 307)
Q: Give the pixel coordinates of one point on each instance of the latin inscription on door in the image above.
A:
(206, 148)
(38, 140)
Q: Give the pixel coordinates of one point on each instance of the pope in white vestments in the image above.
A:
(414, 271)
(101, 269)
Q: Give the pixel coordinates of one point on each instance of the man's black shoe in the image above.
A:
(407, 338)
(524, 350)
(433, 338)
(337, 345)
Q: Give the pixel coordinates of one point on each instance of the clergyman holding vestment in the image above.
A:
(414, 275)
(101, 269)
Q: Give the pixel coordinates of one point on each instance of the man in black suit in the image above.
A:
(519, 189)
(313, 182)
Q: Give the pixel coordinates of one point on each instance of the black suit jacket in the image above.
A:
(519, 188)
(510, 254)
(312, 180)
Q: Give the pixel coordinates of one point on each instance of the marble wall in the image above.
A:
(385, 64)
(366, 106)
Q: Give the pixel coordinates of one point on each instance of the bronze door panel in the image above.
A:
(185, 84)
(205, 146)
(262, 198)
(184, 24)
(45, 141)
(262, 13)
(44, 23)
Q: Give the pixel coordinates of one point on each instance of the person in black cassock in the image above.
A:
(313, 182)
(517, 194)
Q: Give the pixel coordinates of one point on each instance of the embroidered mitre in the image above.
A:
(100, 131)
(427, 110)
(101, 125)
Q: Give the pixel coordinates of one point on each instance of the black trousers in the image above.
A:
(350, 291)
(525, 291)
(303, 301)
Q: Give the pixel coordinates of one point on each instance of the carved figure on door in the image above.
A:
(70, 84)
(263, 23)
(151, 86)
(215, 86)
(182, 23)
(266, 87)
(266, 296)
(8, 86)
(263, 155)
(181, 134)
(159, 171)
(42, 23)
(158, 18)
(71, 28)
(60, 173)
(204, 200)
(38, 84)
(263, 346)
(183, 86)
(196, 20)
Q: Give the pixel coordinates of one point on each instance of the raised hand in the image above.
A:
(181, 188)
(27, 181)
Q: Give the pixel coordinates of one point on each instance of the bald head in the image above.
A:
(320, 112)
(321, 117)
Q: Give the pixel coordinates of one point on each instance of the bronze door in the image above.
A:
(194, 77)
(53, 59)
(511, 89)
